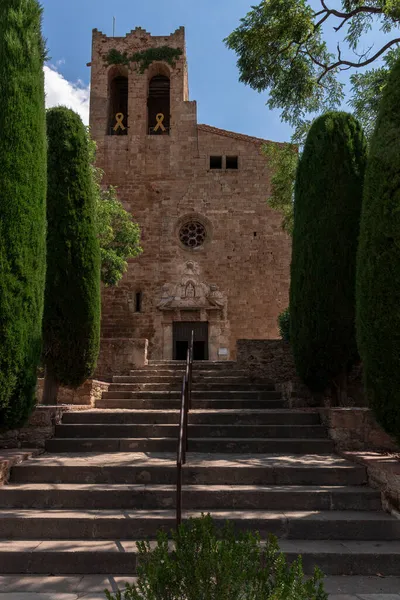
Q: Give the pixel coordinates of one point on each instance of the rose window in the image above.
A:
(193, 234)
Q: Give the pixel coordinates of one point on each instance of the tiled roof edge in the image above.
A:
(233, 134)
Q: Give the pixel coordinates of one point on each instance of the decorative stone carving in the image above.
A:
(190, 293)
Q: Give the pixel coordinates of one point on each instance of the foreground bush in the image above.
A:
(378, 264)
(210, 564)
(328, 197)
(71, 323)
(22, 206)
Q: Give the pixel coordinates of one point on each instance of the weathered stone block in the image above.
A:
(355, 428)
(84, 395)
(38, 429)
(119, 355)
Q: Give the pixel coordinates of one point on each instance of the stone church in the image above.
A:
(214, 259)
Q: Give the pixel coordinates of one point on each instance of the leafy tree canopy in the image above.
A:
(281, 48)
(118, 234)
(283, 159)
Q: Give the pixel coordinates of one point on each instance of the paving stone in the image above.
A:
(379, 597)
(361, 585)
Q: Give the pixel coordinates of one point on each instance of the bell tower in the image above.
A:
(139, 83)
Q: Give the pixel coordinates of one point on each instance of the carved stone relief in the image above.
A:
(191, 293)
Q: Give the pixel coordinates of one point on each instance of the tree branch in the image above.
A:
(349, 15)
(350, 64)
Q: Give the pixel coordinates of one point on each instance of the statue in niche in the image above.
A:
(190, 290)
(166, 299)
(215, 297)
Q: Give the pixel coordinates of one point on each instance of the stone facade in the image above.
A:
(237, 279)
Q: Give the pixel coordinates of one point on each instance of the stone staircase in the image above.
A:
(108, 479)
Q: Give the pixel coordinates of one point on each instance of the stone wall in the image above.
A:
(84, 395)
(355, 428)
(241, 273)
(383, 471)
(119, 355)
(273, 359)
(39, 428)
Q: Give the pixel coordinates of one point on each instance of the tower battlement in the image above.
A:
(143, 36)
(127, 92)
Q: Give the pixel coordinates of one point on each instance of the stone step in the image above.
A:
(205, 469)
(196, 373)
(211, 417)
(196, 394)
(194, 431)
(197, 386)
(197, 364)
(91, 587)
(173, 404)
(61, 557)
(196, 497)
(134, 377)
(212, 445)
(122, 524)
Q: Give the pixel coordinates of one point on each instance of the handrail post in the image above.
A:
(186, 402)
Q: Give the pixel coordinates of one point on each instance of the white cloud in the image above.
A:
(60, 91)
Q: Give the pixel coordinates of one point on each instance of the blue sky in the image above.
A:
(213, 75)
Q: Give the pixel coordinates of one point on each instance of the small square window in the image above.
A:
(215, 162)
(232, 162)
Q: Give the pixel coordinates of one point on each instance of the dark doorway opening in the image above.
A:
(181, 349)
(181, 338)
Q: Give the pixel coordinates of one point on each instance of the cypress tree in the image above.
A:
(328, 196)
(71, 324)
(378, 263)
(22, 206)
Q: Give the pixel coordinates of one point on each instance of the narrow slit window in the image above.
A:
(138, 302)
(215, 162)
(232, 162)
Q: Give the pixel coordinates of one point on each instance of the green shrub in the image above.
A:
(378, 264)
(284, 324)
(205, 563)
(117, 232)
(71, 324)
(22, 206)
(328, 196)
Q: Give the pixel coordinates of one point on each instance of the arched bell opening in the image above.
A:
(118, 96)
(159, 105)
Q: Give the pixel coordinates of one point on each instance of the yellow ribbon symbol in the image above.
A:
(160, 118)
(119, 125)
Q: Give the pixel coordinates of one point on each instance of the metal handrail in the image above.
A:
(186, 404)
